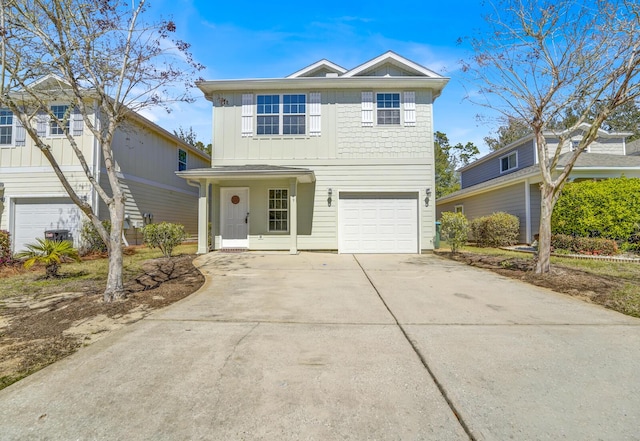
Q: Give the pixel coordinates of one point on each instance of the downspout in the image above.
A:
(527, 210)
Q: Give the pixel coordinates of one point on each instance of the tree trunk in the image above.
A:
(115, 284)
(544, 240)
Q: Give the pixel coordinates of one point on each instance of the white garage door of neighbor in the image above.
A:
(378, 223)
(33, 216)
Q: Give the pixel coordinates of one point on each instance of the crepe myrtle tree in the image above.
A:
(538, 58)
(104, 61)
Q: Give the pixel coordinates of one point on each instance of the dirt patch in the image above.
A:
(594, 288)
(37, 332)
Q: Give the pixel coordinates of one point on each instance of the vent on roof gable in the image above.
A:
(332, 74)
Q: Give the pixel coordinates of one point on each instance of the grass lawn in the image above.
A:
(89, 275)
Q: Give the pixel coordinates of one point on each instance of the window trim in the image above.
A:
(13, 129)
(281, 114)
(513, 153)
(269, 209)
(399, 108)
(186, 159)
(51, 122)
(458, 208)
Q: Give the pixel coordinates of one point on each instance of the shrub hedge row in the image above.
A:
(596, 246)
(496, 230)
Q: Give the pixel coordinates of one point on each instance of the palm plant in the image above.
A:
(50, 253)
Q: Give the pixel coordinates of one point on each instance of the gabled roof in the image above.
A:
(392, 59)
(319, 67)
(586, 161)
(548, 134)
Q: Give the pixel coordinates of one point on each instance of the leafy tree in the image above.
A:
(539, 58)
(512, 130)
(108, 62)
(190, 137)
(448, 158)
(50, 253)
(608, 208)
(455, 228)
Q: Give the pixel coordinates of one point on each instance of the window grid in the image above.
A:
(268, 115)
(278, 209)
(6, 126)
(59, 112)
(508, 162)
(182, 160)
(388, 108)
(288, 111)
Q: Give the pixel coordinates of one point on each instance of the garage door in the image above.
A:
(378, 223)
(33, 216)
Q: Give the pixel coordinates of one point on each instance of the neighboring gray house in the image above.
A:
(633, 147)
(509, 179)
(324, 159)
(33, 200)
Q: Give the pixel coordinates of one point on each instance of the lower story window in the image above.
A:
(278, 209)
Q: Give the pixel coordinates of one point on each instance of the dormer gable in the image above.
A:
(390, 64)
(322, 68)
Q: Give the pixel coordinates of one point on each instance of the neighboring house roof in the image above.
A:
(256, 171)
(416, 76)
(586, 161)
(547, 134)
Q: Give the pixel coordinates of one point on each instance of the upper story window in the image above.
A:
(509, 162)
(60, 112)
(182, 160)
(388, 108)
(6, 127)
(281, 114)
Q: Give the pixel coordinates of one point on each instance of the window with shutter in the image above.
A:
(409, 109)
(78, 123)
(6, 127)
(315, 114)
(367, 109)
(247, 115)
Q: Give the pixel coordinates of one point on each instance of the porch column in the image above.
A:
(203, 210)
(293, 215)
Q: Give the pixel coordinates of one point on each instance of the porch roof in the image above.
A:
(244, 172)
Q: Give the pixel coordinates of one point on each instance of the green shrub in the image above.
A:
(596, 246)
(5, 247)
(609, 208)
(164, 235)
(91, 240)
(455, 229)
(496, 230)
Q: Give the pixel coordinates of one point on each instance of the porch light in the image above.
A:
(329, 194)
(427, 193)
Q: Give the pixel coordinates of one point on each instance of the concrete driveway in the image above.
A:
(324, 347)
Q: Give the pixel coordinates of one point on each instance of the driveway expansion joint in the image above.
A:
(439, 385)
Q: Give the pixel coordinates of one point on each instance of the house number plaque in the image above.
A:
(235, 199)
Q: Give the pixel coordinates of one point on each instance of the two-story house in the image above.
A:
(509, 179)
(32, 199)
(324, 159)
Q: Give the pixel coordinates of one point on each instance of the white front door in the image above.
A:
(234, 222)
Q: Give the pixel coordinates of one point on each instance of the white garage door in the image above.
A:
(33, 216)
(378, 223)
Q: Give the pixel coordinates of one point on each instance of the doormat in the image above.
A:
(233, 250)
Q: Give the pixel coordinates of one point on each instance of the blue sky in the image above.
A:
(236, 39)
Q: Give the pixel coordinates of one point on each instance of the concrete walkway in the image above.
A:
(326, 347)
